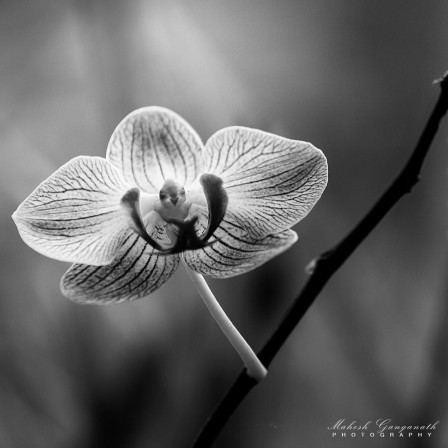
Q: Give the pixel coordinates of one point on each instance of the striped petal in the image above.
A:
(153, 144)
(272, 182)
(235, 251)
(75, 215)
(136, 272)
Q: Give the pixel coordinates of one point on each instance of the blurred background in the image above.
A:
(354, 78)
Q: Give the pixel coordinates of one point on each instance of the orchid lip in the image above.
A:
(186, 236)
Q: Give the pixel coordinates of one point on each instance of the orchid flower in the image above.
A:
(161, 196)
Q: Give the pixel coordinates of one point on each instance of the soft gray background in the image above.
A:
(354, 78)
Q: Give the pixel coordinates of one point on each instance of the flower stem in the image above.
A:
(255, 368)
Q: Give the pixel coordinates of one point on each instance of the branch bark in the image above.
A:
(325, 266)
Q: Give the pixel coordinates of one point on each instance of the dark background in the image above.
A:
(354, 78)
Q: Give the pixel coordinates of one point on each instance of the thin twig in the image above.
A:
(325, 266)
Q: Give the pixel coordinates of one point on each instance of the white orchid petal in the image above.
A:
(75, 215)
(236, 252)
(153, 144)
(272, 182)
(135, 272)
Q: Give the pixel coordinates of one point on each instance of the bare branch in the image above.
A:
(325, 266)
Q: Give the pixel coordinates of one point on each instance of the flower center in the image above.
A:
(173, 208)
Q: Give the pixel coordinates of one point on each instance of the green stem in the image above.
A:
(255, 368)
